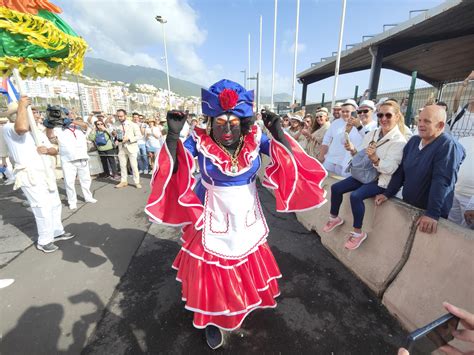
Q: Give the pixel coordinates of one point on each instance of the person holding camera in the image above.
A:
(127, 133)
(71, 138)
(35, 177)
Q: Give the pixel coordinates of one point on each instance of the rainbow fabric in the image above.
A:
(37, 41)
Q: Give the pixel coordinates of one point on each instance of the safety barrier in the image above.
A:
(412, 271)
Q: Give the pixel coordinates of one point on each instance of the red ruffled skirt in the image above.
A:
(223, 292)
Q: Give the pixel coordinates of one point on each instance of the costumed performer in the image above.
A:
(225, 264)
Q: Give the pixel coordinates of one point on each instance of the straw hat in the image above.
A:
(11, 109)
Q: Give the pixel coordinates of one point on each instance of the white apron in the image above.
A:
(234, 225)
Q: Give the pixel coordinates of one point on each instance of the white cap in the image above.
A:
(352, 103)
(367, 103)
(337, 105)
(293, 116)
(381, 101)
(323, 109)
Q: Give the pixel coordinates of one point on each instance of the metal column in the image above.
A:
(377, 58)
(303, 94)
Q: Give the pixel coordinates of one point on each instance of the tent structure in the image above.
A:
(438, 44)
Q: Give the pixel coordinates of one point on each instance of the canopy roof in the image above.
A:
(438, 44)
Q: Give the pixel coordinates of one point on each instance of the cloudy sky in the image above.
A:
(208, 39)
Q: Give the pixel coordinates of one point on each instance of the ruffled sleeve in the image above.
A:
(296, 178)
(172, 200)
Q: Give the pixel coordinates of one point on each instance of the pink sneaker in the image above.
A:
(332, 223)
(354, 242)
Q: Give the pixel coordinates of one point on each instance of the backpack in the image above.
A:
(100, 138)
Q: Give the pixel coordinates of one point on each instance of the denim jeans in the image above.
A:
(359, 193)
(142, 158)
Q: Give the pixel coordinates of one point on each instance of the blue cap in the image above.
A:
(226, 96)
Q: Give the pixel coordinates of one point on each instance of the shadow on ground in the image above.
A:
(322, 309)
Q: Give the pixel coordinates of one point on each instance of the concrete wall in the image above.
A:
(412, 271)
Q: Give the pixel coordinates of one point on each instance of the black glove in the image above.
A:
(175, 120)
(273, 123)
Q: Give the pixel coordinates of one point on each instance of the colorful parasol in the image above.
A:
(36, 41)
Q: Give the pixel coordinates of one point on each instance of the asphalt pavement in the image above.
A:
(111, 290)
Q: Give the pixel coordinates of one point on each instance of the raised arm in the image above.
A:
(460, 91)
(175, 120)
(272, 122)
(21, 123)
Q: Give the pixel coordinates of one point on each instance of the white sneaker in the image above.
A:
(6, 282)
(73, 207)
(140, 171)
(145, 172)
(9, 182)
(91, 201)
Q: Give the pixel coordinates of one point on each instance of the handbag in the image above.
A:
(100, 139)
(361, 167)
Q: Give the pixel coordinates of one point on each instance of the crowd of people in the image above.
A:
(365, 143)
(368, 144)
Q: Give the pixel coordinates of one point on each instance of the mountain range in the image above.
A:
(136, 74)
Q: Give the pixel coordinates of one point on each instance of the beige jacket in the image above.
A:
(314, 143)
(132, 132)
(390, 153)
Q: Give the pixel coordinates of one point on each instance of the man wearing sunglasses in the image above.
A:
(364, 122)
(429, 169)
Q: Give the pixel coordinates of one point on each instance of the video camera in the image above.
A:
(55, 117)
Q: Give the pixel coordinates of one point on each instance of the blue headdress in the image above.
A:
(227, 96)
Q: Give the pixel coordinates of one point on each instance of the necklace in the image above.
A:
(233, 157)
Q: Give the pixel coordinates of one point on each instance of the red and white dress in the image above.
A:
(225, 264)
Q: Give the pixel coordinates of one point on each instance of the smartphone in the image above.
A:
(354, 114)
(346, 137)
(427, 339)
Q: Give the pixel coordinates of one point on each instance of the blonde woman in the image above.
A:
(320, 126)
(384, 149)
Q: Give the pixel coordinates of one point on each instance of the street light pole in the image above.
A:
(274, 54)
(338, 58)
(296, 51)
(259, 65)
(245, 77)
(249, 71)
(162, 20)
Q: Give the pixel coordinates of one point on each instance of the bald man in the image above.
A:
(429, 169)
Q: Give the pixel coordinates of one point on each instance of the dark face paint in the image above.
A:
(226, 129)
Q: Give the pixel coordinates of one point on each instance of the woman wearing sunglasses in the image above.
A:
(320, 126)
(384, 149)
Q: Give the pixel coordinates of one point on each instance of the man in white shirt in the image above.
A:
(74, 158)
(36, 177)
(364, 122)
(462, 211)
(127, 133)
(333, 155)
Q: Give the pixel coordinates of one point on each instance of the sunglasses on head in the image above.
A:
(362, 111)
(99, 124)
(382, 115)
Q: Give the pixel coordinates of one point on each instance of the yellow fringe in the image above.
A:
(31, 68)
(44, 34)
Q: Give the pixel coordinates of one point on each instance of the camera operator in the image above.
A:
(70, 135)
(38, 186)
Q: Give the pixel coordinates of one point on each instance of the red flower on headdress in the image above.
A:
(228, 99)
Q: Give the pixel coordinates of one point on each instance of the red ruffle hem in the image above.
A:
(220, 291)
(237, 286)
